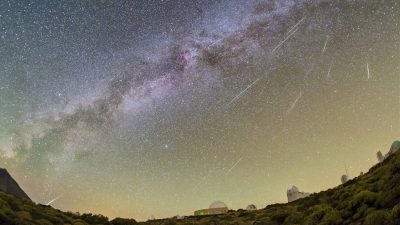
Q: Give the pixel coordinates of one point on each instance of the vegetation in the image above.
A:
(371, 199)
(16, 211)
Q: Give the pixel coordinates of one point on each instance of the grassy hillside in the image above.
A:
(371, 199)
(16, 211)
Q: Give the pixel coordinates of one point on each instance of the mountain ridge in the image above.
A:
(9, 185)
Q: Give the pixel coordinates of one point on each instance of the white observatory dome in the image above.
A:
(218, 204)
(293, 189)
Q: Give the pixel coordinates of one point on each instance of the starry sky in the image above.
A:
(149, 108)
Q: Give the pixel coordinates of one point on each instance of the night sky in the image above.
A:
(148, 108)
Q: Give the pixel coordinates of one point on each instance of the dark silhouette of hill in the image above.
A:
(370, 199)
(9, 185)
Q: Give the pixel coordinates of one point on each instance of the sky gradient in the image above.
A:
(158, 108)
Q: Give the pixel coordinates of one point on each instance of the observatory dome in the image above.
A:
(251, 207)
(395, 147)
(292, 189)
(218, 204)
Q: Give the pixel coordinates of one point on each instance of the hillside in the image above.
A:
(371, 199)
(17, 211)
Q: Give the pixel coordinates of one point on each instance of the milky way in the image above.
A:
(140, 108)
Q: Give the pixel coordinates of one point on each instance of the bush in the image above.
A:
(364, 197)
(294, 218)
(121, 221)
(43, 222)
(395, 214)
(24, 215)
(379, 217)
(94, 219)
(332, 217)
(280, 216)
(78, 222)
(169, 223)
(389, 198)
(318, 214)
(243, 213)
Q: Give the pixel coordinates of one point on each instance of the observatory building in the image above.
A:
(215, 208)
(394, 148)
(380, 156)
(293, 194)
(344, 178)
(251, 207)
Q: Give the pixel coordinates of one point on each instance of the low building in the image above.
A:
(215, 208)
(178, 217)
(293, 194)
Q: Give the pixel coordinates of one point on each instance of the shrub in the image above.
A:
(43, 222)
(318, 214)
(78, 222)
(168, 223)
(395, 214)
(332, 217)
(243, 213)
(121, 221)
(24, 215)
(294, 218)
(4, 206)
(94, 219)
(366, 197)
(379, 217)
(280, 216)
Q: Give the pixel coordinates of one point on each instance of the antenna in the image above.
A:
(347, 173)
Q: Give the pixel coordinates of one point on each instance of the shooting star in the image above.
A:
(289, 34)
(368, 74)
(294, 103)
(295, 26)
(234, 165)
(55, 199)
(284, 40)
(326, 42)
(328, 75)
(242, 92)
(215, 42)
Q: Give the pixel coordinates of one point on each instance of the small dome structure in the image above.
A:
(251, 207)
(292, 189)
(218, 204)
(395, 147)
(344, 178)
(293, 193)
(215, 208)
